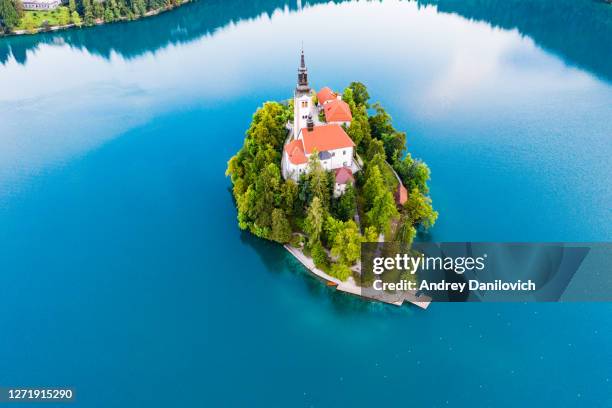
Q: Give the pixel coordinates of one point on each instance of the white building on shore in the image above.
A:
(42, 5)
(328, 140)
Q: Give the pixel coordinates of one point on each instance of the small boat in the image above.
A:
(330, 283)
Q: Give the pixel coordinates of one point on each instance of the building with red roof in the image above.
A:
(344, 177)
(295, 152)
(326, 95)
(329, 141)
(332, 145)
(401, 195)
(338, 112)
(325, 138)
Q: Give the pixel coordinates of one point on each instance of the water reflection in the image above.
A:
(132, 39)
(578, 31)
(489, 110)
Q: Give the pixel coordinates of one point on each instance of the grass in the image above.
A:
(39, 17)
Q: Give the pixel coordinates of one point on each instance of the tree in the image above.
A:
(359, 129)
(360, 93)
(314, 221)
(9, 13)
(255, 173)
(268, 125)
(319, 256)
(370, 234)
(380, 123)
(63, 16)
(114, 6)
(340, 271)
(28, 23)
(394, 145)
(419, 211)
(347, 96)
(155, 4)
(289, 195)
(139, 7)
(76, 19)
(375, 147)
(414, 173)
(19, 8)
(98, 9)
(319, 182)
(344, 207)
(346, 244)
(374, 186)
(382, 212)
(72, 6)
(109, 15)
(267, 188)
(281, 230)
(316, 183)
(385, 170)
(405, 231)
(88, 15)
(124, 10)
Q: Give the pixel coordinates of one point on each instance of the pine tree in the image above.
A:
(374, 186)
(109, 15)
(88, 12)
(76, 19)
(98, 9)
(9, 13)
(314, 221)
(382, 212)
(281, 230)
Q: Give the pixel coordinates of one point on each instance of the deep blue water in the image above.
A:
(125, 276)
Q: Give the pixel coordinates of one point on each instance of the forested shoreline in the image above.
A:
(77, 13)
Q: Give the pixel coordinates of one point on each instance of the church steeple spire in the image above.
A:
(302, 84)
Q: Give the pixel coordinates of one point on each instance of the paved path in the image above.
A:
(396, 298)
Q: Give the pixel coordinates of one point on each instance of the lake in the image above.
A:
(125, 276)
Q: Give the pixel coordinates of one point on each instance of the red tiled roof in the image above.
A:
(327, 137)
(295, 152)
(343, 175)
(325, 95)
(401, 195)
(338, 111)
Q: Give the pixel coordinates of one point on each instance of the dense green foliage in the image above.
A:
(307, 213)
(10, 13)
(255, 172)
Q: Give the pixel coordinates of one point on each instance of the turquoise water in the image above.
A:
(124, 274)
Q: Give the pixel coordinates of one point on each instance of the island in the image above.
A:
(34, 16)
(324, 172)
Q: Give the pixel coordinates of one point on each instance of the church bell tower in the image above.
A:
(302, 99)
(302, 84)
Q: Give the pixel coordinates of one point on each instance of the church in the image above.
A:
(310, 135)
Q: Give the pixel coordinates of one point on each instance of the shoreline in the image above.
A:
(396, 299)
(98, 23)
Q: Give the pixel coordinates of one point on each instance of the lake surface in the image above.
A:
(125, 276)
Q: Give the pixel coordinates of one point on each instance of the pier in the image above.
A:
(392, 298)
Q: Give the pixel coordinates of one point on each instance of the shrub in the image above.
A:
(340, 271)
(319, 256)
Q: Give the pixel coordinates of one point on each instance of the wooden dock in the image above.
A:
(392, 298)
